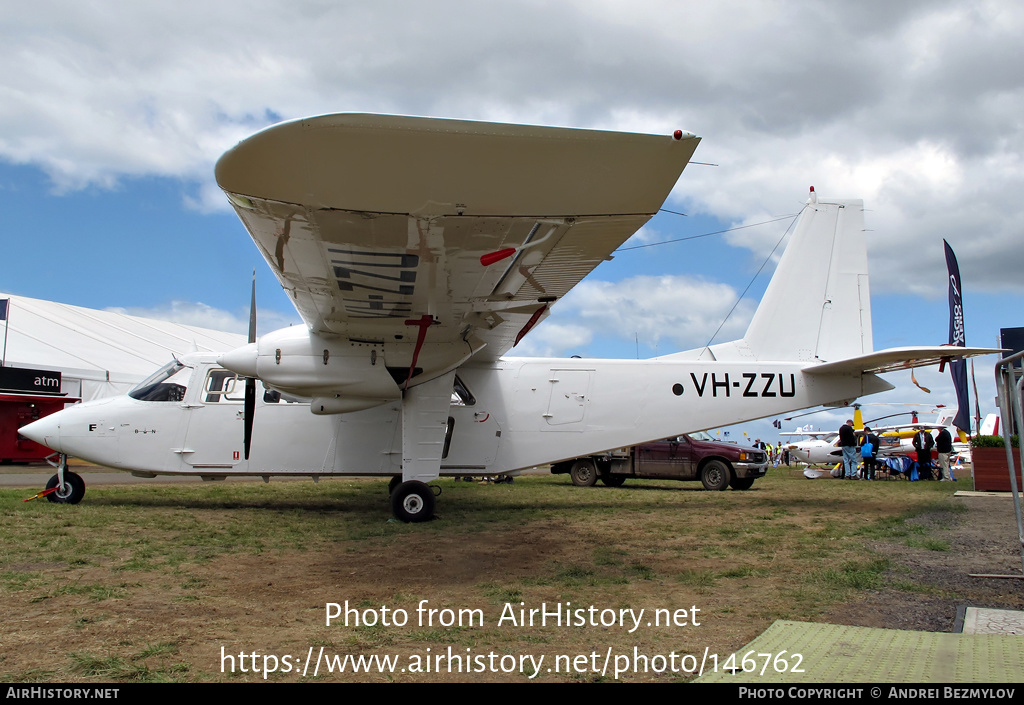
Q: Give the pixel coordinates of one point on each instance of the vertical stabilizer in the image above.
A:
(818, 305)
(990, 426)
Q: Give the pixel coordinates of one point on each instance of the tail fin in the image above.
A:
(818, 306)
(990, 426)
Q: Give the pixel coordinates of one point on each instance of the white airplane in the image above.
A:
(418, 253)
(817, 449)
(897, 439)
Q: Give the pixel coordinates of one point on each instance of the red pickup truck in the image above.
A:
(695, 456)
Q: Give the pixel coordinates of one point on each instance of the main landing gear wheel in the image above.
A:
(583, 473)
(413, 501)
(715, 476)
(742, 483)
(72, 491)
(395, 482)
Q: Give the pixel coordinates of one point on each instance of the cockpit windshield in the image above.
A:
(166, 384)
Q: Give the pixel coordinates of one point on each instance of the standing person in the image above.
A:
(848, 442)
(869, 453)
(923, 444)
(944, 446)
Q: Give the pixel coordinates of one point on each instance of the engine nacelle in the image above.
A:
(295, 361)
(341, 375)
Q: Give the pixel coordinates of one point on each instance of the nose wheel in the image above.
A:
(65, 487)
(70, 492)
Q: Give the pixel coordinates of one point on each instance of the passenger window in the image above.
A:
(461, 396)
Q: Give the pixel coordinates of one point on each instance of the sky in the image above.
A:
(112, 115)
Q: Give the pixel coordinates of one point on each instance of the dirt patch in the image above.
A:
(926, 584)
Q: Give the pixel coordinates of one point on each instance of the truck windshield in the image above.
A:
(166, 384)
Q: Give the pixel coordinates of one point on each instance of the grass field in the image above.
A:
(151, 582)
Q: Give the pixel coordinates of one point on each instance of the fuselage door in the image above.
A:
(215, 412)
(569, 399)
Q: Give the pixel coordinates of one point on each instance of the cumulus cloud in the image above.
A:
(912, 106)
(199, 314)
(664, 313)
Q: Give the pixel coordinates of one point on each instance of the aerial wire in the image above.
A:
(716, 232)
(754, 278)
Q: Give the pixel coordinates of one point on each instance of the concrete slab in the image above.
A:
(982, 620)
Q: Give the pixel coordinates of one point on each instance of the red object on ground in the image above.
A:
(17, 410)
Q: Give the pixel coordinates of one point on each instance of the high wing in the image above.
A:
(376, 225)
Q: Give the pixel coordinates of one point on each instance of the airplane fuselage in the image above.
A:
(518, 413)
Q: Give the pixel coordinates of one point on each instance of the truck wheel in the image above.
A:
(583, 473)
(71, 493)
(744, 483)
(715, 476)
(613, 480)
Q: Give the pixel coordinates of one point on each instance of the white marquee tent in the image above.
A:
(98, 353)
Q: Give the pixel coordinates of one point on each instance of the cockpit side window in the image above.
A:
(223, 387)
(166, 384)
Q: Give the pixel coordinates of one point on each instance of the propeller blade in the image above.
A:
(250, 382)
(250, 410)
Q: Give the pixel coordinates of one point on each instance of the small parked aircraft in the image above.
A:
(418, 253)
(897, 439)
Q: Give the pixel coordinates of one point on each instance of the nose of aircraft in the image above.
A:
(241, 361)
(45, 431)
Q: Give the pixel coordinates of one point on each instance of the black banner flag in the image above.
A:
(957, 368)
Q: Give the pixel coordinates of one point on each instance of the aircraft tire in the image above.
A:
(583, 473)
(412, 502)
(73, 491)
(741, 483)
(396, 480)
(610, 480)
(715, 476)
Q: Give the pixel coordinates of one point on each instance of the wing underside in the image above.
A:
(375, 224)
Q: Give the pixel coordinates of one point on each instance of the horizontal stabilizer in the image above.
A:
(898, 359)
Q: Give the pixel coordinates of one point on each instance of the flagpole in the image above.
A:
(977, 404)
